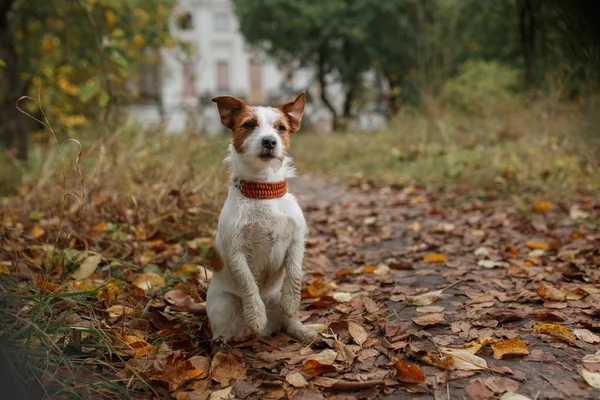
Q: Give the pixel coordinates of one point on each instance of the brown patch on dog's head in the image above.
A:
(238, 117)
(293, 112)
(282, 126)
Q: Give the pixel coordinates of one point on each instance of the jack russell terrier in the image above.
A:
(260, 239)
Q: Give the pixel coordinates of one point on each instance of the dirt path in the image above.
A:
(506, 271)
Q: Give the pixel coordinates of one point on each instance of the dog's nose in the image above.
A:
(269, 142)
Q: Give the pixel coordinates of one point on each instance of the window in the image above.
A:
(189, 80)
(149, 81)
(184, 21)
(221, 21)
(255, 82)
(222, 76)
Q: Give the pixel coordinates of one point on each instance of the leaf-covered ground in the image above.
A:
(417, 294)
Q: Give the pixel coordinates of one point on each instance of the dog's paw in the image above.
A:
(290, 303)
(255, 314)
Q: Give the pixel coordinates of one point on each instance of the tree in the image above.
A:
(83, 52)
(328, 36)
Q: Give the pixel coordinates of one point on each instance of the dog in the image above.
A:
(261, 233)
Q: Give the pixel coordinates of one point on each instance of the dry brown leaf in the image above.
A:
(177, 371)
(556, 331)
(435, 258)
(119, 311)
(358, 333)
(543, 206)
(509, 347)
(499, 385)
(145, 351)
(425, 299)
(464, 360)
(408, 373)
(148, 280)
(296, 380)
(87, 267)
(320, 362)
(548, 292)
(586, 336)
(430, 319)
(225, 368)
(537, 245)
(443, 362)
(477, 390)
(592, 378)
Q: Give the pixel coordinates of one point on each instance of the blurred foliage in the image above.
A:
(84, 53)
(417, 45)
(480, 86)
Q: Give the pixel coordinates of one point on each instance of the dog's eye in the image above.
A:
(250, 125)
(281, 128)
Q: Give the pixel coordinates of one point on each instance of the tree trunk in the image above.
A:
(527, 25)
(14, 123)
(323, 85)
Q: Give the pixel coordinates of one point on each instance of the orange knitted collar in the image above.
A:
(262, 190)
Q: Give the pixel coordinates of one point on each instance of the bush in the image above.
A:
(482, 86)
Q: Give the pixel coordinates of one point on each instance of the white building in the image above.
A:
(176, 91)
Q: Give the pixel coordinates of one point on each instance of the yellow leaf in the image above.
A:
(147, 280)
(433, 258)
(509, 347)
(537, 245)
(119, 311)
(543, 206)
(145, 351)
(556, 331)
(87, 267)
(4, 270)
(37, 232)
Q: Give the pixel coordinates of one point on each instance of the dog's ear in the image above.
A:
(229, 107)
(293, 111)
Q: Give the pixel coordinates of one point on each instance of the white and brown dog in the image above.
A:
(261, 233)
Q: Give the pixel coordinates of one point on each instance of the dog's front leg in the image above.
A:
(255, 314)
(290, 290)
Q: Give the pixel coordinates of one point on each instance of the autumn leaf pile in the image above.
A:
(416, 293)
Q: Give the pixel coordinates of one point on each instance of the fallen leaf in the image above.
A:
(37, 232)
(320, 362)
(430, 309)
(543, 206)
(296, 380)
(425, 299)
(408, 373)
(177, 371)
(434, 258)
(382, 270)
(87, 267)
(4, 270)
(148, 280)
(343, 272)
(430, 319)
(226, 367)
(592, 378)
(223, 394)
(145, 351)
(548, 292)
(440, 361)
(342, 297)
(499, 385)
(181, 300)
(509, 347)
(202, 392)
(119, 311)
(556, 331)
(586, 336)
(492, 264)
(358, 333)
(592, 358)
(464, 360)
(537, 245)
(477, 390)
(513, 396)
